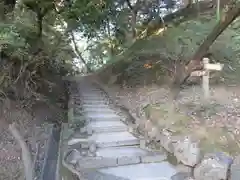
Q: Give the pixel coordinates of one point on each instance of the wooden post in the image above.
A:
(205, 79)
(218, 13)
(207, 67)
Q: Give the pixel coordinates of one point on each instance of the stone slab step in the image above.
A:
(102, 117)
(149, 171)
(86, 99)
(112, 157)
(90, 101)
(96, 175)
(113, 139)
(97, 106)
(98, 110)
(131, 155)
(91, 93)
(104, 110)
(107, 126)
(105, 139)
(79, 116)
(94, 102)
(93, 96)
(89, 88)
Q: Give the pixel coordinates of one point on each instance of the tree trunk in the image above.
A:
(195, 62)
(225, 21)
(190, 11)
(133, 23)
(79, 53)
(6, 6)
(134, 11)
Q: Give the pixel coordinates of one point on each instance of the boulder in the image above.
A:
(148, 125)
(235, 169)
(213, 167)
(187, 151)
(165, 140)
(184, 173)
(153, 133)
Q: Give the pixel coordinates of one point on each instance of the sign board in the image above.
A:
(199, 73)
(205, 74)
(216, 67)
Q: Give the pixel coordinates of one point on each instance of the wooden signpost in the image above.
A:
(207, 67)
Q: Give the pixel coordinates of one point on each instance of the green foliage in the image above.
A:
(9, 36)
(180, 43)
(29, 62)
(88, 16)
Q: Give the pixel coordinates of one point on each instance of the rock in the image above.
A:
(235, 169)
(153, 133)
(92, 147)
(187, 151)
(72, 156)
(165, 140)
(140, 123)
(180, 176)
(183, 168)
(84, 152)
(183, 174)
(148, 125)
(143, 143)
(213, 167)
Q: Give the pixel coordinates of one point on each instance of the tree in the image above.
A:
(79, 54)
(6, 7)
(195, 63)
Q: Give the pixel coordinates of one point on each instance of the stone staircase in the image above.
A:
(100, 146)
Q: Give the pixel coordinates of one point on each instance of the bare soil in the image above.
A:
(33, 125)
(216, 123)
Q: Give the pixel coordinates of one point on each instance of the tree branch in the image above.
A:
(226, 20)
(129, 4)
(190, 11)
(134, 11)
(79, 53)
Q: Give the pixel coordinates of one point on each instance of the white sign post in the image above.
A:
(207, 67)
(205, 79)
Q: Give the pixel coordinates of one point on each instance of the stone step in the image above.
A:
(91, 93)
(97, 102)
(149, 171)
(97, 106)
(106, 139)
(79, 109)
(107, 126)
(92, 96)
(90, 88)
(131, 155)
(98, 110)
(102, 117)
(111, 157)
(79, 115)
(113, 139)
(94, 99)
(79, 118)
